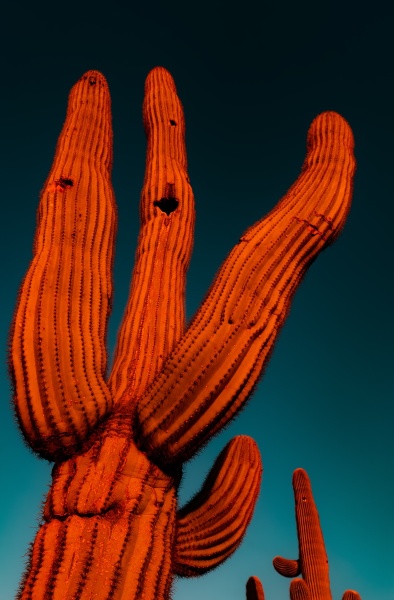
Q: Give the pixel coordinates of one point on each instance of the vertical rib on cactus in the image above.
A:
(210, 527)
(217, 363)
(109, 524)
(154, 319)
(313, 561)
(58, 355)
(110, 528)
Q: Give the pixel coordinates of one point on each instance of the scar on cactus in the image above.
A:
(111, 528)
(312, 562)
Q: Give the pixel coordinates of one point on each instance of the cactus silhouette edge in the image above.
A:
(111, 527)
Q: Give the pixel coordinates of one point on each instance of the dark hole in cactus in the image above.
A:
(172, 122)
(167, 205)
(64, 182)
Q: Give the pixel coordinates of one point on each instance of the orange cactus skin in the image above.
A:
(299, 590)
(254, 589)
(313, 562)
(109, 524)
(110, 527)
(218, 361)
(154, 319)
(210, 527)
(58, 355)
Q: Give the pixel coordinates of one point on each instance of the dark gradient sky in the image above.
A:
(251, 80)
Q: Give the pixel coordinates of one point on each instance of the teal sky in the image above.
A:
(251, 80)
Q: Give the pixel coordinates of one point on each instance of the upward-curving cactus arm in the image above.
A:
(211, 526)
(221, 356)
(154, 318)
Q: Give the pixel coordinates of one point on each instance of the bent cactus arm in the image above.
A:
(210, 527)
(111, 528)
(217, 363)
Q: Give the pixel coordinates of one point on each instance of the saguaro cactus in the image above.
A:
(312, 563)
(111, 528)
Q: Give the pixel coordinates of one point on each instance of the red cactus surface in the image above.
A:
(111, 528)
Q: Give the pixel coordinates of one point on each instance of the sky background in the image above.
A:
(251, 77)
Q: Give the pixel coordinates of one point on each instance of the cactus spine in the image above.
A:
(111, 527)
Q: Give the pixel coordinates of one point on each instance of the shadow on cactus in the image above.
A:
(111, 528)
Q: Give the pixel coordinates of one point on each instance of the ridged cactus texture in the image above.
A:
(111, 528)
(312, 563)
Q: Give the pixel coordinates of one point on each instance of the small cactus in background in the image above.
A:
(312, 563)
(254, 589)
(111, 527)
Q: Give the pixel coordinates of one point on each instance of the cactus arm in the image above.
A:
(254, 589)
(58, 356)
(351, 595)
(214, 368)
(154, 318)
(300, 591)
(313, 556)
(287, 567)
(211, 526)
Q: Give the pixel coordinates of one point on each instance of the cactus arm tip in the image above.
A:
(254, 589)
(211, 526)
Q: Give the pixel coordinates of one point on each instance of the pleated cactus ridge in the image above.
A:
(312, 563)
(111, 527)
(58, 354)
(210, 527)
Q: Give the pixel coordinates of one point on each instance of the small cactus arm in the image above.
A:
(211, 525)
(111, 528)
